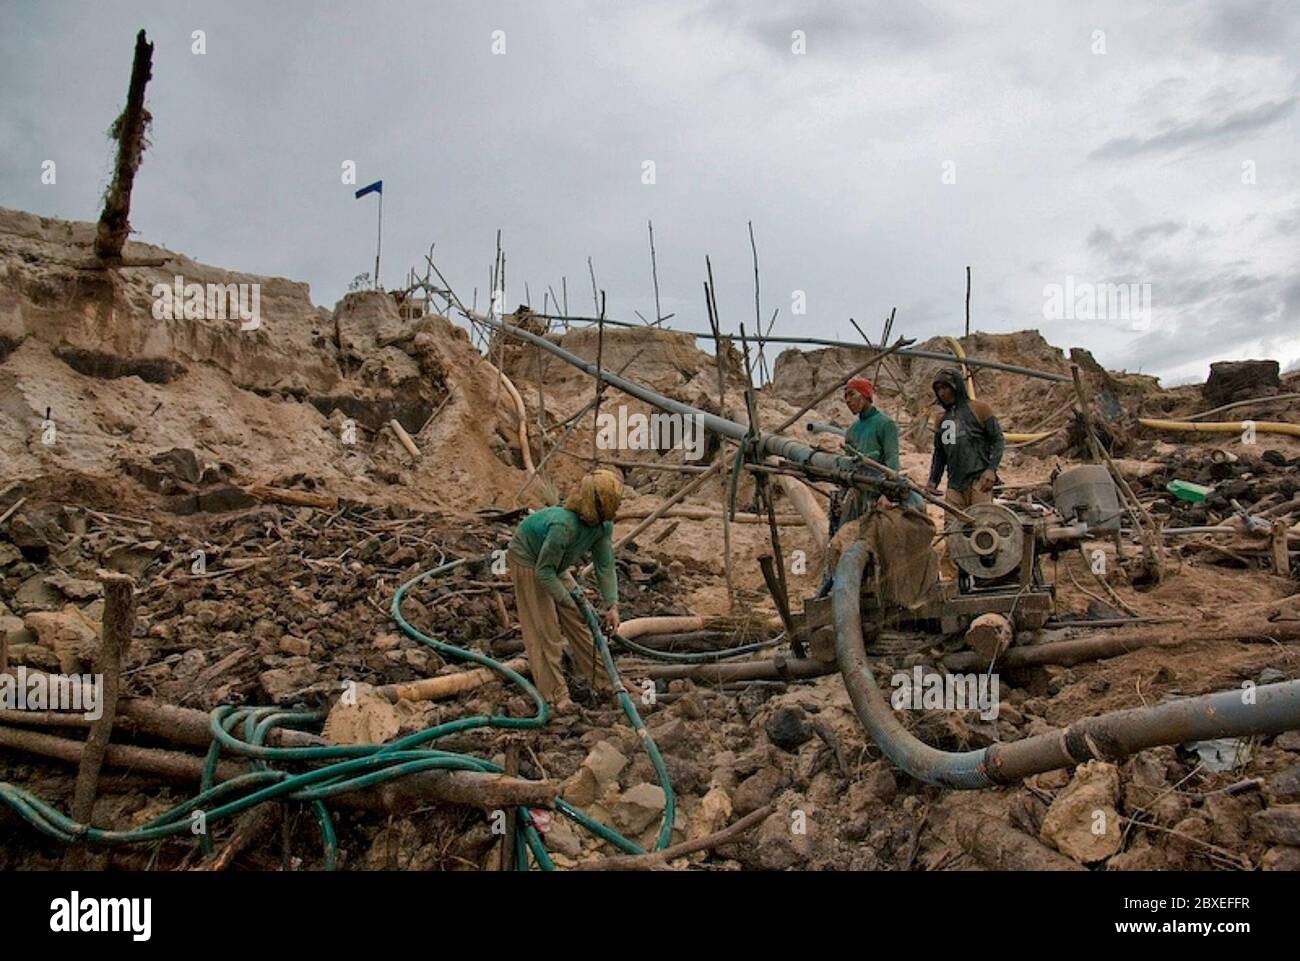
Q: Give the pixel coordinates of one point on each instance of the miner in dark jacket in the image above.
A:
(968, 443)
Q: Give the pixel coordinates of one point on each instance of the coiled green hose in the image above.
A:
(353, 767)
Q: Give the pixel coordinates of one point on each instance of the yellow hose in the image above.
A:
(1013, 438)
(955, 346)
(1222, 427)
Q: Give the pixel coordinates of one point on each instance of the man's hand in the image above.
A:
(986, 481)
(611, 620)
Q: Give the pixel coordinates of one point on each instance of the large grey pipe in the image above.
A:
(1265, 709)
(845, 468)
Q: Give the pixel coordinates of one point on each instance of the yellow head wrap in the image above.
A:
(597, 498)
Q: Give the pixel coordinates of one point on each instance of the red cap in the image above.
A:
(863, 386)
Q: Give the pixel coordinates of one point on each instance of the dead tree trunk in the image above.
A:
(129, 131)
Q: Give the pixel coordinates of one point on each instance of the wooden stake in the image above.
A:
(509, 841)
(722, 412)
(968, 300)
(654, 274)
(1281, 560)
(600, 359)
(115, 639)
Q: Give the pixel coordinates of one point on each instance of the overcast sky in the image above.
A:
(1040, 143)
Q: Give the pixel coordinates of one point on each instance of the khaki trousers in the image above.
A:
(968, 498)
(545, 626)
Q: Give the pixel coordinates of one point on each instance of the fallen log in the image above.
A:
(778, 668)
(998, 846)
(169, 765)
(473, 788)
(449, 685)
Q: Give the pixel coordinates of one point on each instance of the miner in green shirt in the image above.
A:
(874, 435)
(544, 546)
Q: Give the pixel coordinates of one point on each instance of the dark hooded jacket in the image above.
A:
(974, 442)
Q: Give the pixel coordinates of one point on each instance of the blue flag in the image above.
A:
(375, 188)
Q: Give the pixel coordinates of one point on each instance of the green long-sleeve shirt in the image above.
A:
(552, 540)
(874, 434)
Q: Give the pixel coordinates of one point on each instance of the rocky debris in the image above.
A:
(1146, 788)
(562, 838)
(283, 685)
(1081, 821)
(757, 789)
(1141, 856)
(1233, 380)
(668, 730)
(36, 594)
(598, 773)
(31, 533)
(1277, 825)
(361, 716)
(1288, 741)
(788, 727)
(1283, 787)
(1229, 819)
(712, 814)
(70, 634)
(1281, 859)
(639, 807)
(786, 838)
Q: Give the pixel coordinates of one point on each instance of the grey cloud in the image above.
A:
(843, 29)
(1254, 26)
(837, 166)
(1199, 131)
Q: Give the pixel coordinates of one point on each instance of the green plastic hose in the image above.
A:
(339, 769)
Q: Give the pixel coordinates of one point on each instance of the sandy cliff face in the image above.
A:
(271, 399)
